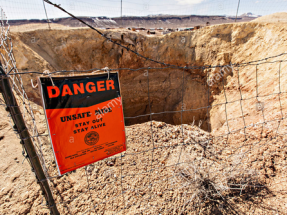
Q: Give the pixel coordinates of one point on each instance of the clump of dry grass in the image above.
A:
(211, 187)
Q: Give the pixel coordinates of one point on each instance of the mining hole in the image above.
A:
(164, 93)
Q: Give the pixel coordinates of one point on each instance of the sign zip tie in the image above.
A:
(108, 71)
(47, 72)
(34, 86)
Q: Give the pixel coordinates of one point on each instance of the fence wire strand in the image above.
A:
(190, 175)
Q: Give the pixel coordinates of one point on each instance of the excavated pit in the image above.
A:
(252, 148)
(84, 49)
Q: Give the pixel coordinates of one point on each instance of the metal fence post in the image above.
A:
(20, 126)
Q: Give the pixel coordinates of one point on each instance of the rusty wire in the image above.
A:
(17, 83)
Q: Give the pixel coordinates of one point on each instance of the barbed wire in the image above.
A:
(207, 161)
(244, 64)
(134, 52)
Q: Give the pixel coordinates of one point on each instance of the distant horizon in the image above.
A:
(155, 15)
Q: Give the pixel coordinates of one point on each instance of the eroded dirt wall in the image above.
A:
(83, 49)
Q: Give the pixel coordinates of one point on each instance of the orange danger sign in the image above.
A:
(84, 117)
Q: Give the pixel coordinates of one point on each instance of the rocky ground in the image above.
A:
(237, 168)
(164, 171)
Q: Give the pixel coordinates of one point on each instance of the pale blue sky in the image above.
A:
(29, 9)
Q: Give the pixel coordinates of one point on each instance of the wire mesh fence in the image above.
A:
(178, 169)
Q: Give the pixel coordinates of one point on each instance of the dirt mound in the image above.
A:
(273, 18)
(159, 173)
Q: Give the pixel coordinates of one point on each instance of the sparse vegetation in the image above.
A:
(215, 189)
